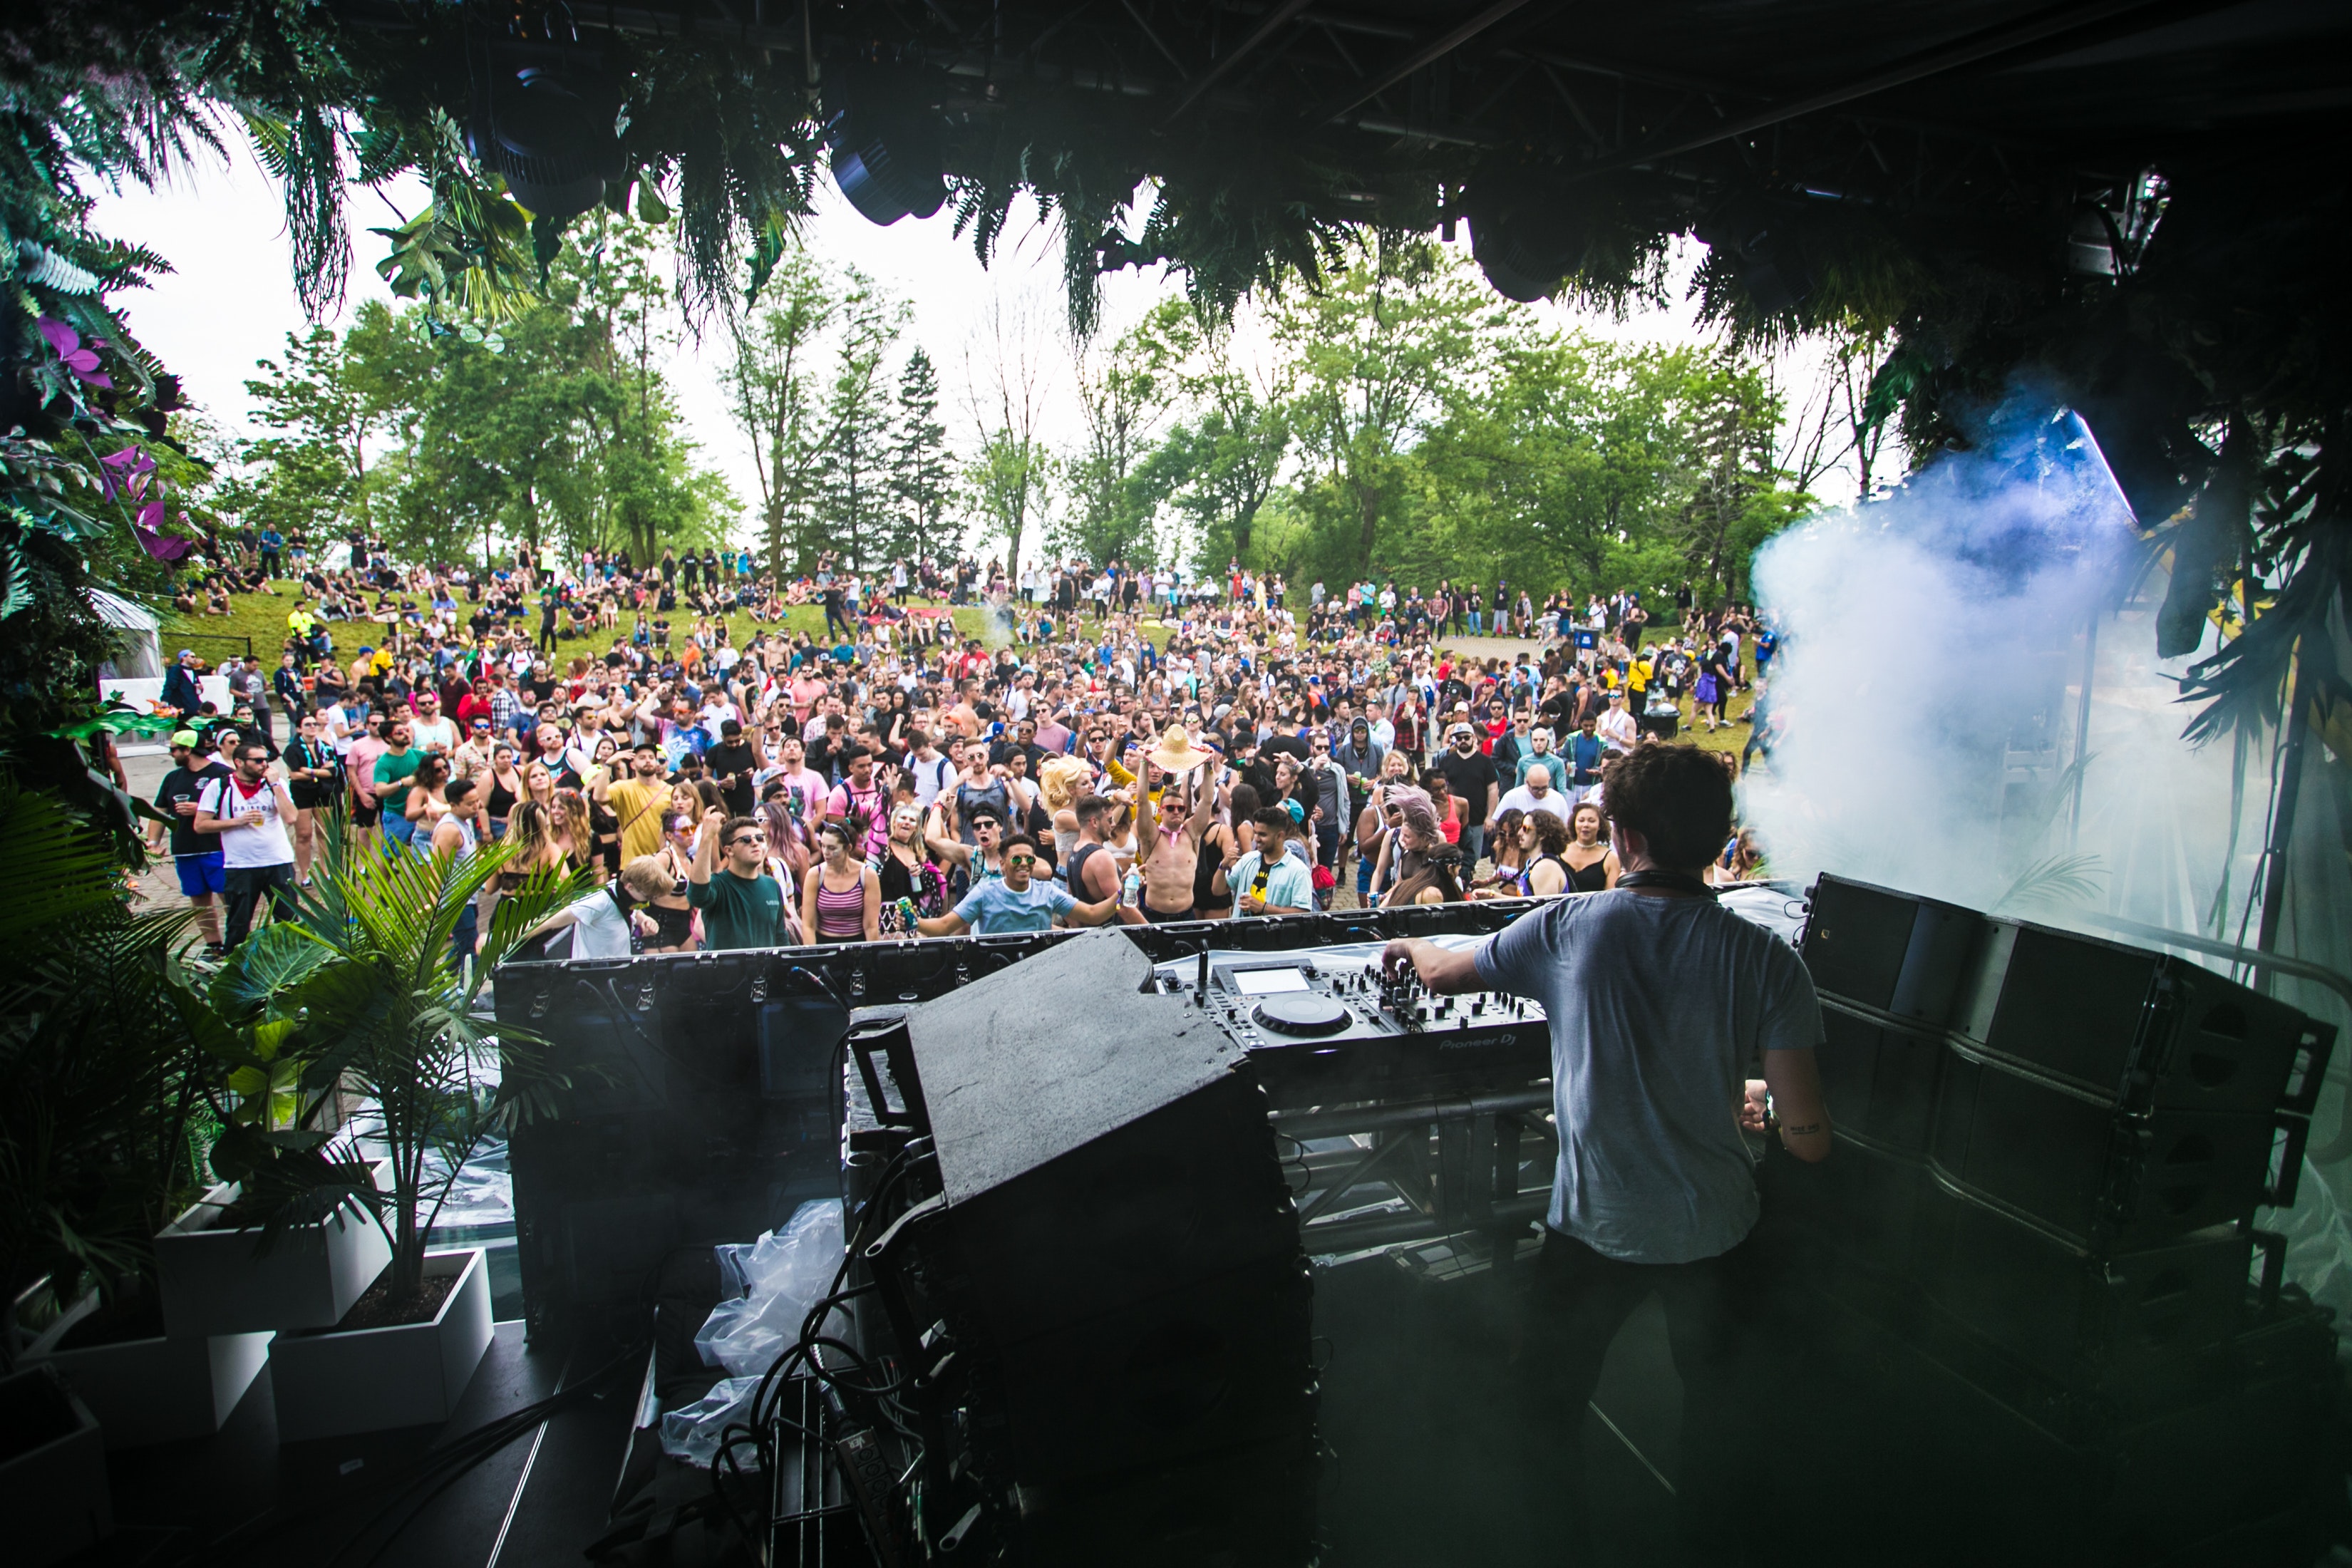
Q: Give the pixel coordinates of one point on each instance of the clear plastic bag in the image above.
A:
(2318, 1241)
(781, 1278)
(691, 1431)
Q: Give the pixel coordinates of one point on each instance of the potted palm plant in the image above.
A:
(386, 1012)
(107, 1105)
(287, 1254)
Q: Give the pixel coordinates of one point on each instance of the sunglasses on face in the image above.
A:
(1021, 859)
(747, 839)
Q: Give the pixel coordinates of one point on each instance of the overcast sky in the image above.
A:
(230, 299)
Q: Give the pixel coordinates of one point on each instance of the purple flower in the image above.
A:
(124, 473)
(67, 343)
(158, 547)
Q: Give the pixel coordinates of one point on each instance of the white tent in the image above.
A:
(134, 671)
(138, 655)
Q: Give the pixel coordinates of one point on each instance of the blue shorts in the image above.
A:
(202, 874)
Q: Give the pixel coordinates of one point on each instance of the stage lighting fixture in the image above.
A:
(887, 150)
(1525, 241)
(544, 119)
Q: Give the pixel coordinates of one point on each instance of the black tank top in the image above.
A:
(1593, 878)
(1085, 851)
(1204, 875)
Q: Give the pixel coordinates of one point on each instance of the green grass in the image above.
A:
(262, 617)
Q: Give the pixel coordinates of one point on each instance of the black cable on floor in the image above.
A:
(439, 1467)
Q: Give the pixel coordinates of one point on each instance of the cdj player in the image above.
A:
(1326, 1025)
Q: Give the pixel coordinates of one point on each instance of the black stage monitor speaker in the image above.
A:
(1879, 1081)
(1942, 1263)
(2071, 1314)
(1118, 1248)
(1893, 952)
(2140, 1027)
(2066, 1158)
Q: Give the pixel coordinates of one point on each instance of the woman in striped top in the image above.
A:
(841, 900)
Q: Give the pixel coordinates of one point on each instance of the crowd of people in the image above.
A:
(1122, 745)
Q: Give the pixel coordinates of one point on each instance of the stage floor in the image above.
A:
(534, 1503)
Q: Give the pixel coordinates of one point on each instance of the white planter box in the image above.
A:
(367, 1380)
(54, 1496)
(154, 1390)
(213, 1284)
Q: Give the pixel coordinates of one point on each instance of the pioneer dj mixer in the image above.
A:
(1326, 1023)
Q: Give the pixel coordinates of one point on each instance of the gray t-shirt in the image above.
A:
(1658, 1007)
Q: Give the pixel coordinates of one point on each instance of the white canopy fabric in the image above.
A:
(117, 611)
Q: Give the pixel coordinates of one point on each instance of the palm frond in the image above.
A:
(2057, 881)
(59, 869)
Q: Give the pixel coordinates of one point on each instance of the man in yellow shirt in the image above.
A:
(640, 801)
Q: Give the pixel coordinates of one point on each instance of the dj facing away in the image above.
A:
(1658, 1001)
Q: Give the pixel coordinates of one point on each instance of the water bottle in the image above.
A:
(1131, 889)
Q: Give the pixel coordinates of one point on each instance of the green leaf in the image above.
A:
(768, 248)
(266, 966)
(57, 870)
(651, 208)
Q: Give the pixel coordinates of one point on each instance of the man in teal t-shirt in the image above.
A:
(1018, 902)
(743, 903)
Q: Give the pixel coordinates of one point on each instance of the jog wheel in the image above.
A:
(1303, 1014)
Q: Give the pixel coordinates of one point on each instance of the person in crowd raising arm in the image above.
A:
(1018, 900)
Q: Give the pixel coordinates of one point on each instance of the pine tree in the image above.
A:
(923, 476)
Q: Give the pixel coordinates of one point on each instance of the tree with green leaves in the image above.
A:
(1114, 489)
(1729, 418)
(1218, 468)
(557, 429)
(922, 473)
(1381, 351)
(774, 394)
(326, 404)
(649, 490)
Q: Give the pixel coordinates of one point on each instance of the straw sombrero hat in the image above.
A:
(1176, 751)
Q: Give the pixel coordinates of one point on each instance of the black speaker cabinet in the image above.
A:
(1892, 951)
(2071, 1314)
(2111, 1180)
(1863, 1202)
(2140, 1028)
(1879, 1080)
(1948, 1269)
(1118, 1246)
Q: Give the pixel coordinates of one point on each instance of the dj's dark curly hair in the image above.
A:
(1677, 797)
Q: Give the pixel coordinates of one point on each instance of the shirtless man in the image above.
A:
(1168, 832)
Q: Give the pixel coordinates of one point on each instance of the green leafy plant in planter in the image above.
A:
(383, 1009)
(107, 1102)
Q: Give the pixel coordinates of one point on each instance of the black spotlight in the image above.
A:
(1525, 241)
(545, 119)
(888, 149)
